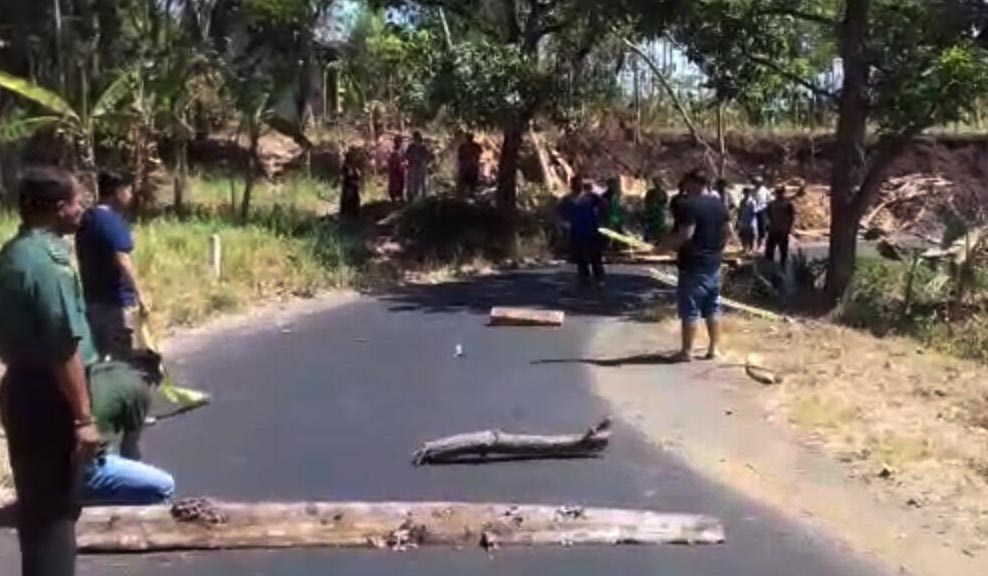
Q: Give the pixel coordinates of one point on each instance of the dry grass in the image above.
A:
(884, 405)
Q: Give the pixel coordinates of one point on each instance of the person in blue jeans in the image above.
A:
(120, 399)
(701, 227)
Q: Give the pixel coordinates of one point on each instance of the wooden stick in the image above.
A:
(672, 280)
(393, 525)
(500, 316)
(493, 445)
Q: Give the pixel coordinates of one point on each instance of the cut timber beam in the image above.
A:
(525, 317)
(386, 524)
(495, 445)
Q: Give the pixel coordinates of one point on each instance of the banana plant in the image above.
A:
(79, 125)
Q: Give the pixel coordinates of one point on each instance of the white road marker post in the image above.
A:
(216, 256)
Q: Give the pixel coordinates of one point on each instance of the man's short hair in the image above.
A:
(109, 183)
(42, 187)
(699, 176)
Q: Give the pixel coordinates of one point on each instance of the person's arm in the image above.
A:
(679, 237)
(130, 445)
(62, 328)
(126, 264)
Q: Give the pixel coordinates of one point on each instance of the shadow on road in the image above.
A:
(624, 294)
(636, 360)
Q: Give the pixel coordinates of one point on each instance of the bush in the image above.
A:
(876, 301)
(452, 229)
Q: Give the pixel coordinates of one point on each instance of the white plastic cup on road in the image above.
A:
(459, 350)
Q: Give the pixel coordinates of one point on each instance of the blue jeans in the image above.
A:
(698, 294)
(112, 480)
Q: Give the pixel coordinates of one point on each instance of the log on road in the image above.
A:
(393, 525)
(501, 316)
(494, 445)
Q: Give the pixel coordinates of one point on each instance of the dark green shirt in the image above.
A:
(42, 313)
(120, 400)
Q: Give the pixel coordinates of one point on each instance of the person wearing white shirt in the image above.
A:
(762, 199)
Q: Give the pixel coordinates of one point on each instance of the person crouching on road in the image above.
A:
(120, 400)
(700, 234)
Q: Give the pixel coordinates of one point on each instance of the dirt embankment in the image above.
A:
(950, 171)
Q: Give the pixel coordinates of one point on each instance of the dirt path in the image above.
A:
(708, 416)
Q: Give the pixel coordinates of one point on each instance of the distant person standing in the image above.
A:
(781, 219)
(656, 207)
(747, 221)
(47, 347)
(700, 236)
(352, 181)
(582, 213)
(723, 190)
(397, 171)
(417, 155)
(104, 245)
(613, 217)
(762, 198)
(468, 165)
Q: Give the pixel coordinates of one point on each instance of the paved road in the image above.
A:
(333, 409)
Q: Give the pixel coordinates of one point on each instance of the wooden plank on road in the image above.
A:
(395, 525)
(501, 316)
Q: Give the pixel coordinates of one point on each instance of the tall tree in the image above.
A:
(906, 65)
(510, 60)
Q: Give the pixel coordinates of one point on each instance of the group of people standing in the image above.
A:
(71, 403)
(766, 220)
(408, 167)
(695, 224)
(763, 220)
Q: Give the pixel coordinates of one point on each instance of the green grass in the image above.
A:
(295, 191)
(876, 302)
(280, 254)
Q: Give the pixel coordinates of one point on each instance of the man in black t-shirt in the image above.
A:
(701, 229)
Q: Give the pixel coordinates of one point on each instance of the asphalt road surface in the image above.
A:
(332, 407)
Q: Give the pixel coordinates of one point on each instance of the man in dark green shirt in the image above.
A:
(46, 345)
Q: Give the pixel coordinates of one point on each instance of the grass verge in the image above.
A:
(911, 421)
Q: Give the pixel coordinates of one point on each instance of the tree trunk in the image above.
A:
(721, 140)
(181, 177)
(848, 169)
(252, 167)
(507, 168)
(492, 446)
(204, 525)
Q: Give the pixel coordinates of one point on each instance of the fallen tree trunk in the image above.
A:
(392, 525)
(494, 445)
(525, 317)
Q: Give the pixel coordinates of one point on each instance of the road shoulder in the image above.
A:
(710, 417)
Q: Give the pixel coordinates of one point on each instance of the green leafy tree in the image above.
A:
(506, 62)
(905, 66)
(79, 126)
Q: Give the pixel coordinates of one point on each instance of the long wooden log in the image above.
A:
(501, 316)
(494, 445)
(392, 525)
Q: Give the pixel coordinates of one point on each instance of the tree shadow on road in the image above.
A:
(625, 294)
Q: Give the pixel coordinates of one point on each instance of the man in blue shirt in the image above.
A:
(104, 245)
(582, 211)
